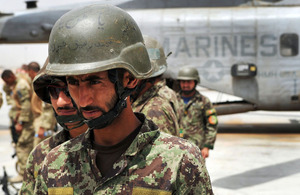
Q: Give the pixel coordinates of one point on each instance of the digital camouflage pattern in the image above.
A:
(155, 163)
(37, 157)
(159, 103)
(198, 120)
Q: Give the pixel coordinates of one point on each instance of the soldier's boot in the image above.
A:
(16, 179)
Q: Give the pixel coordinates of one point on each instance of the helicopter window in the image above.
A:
(289, 44)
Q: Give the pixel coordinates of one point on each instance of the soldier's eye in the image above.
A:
(94, 82)
(72, 82)
(54, 91)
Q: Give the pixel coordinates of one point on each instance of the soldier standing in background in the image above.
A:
(36, 103)
(53, 91)
(21, 72)
(21, 94)
(152, 96)
(44, 119)
(198, 119)
(12, 112)
(122, 152)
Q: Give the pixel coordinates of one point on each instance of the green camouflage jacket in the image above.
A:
(154, 163)
(159, 104)
(36, 158)
(198, 120)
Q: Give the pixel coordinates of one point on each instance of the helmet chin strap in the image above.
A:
(107, 118)
(62, 120)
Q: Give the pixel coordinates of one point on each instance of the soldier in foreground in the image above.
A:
(152, 96)
(198, 119)
(23, 120)
(122, 152)
(52, 90)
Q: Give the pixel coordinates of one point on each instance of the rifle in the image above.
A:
(4, 182)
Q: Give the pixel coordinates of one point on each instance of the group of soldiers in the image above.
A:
(29, 117)
(122, 126)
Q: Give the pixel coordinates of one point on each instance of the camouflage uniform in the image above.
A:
(36, 108)
(48, 117)
(155, 162)
(12, 111)
(22, 97)
(159, 104)
(36, 159)
(9, 99)
(198, 120)
(46, 120)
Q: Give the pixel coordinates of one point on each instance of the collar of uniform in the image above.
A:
(148, 94)
(149, 130)
(58, 138)
(166, 92)
(161, 83)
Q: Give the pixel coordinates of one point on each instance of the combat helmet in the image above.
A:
(157, 56)
(99, 38)
(188, 73)
(40, 85)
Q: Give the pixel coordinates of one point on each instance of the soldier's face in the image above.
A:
(31, 74)
(188, 85)
(93, 93)
(61, 103)
(10, 80)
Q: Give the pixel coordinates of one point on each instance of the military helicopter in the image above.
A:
(249, 49)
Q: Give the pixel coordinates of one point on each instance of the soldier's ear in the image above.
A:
(129, 81)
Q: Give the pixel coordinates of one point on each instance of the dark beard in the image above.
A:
(110, 105)
(185, 92)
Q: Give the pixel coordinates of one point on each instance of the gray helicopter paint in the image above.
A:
(213, 40)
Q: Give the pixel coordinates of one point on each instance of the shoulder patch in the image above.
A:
(147, 191)
(60, 191)
(212, 120)
(210, 112)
